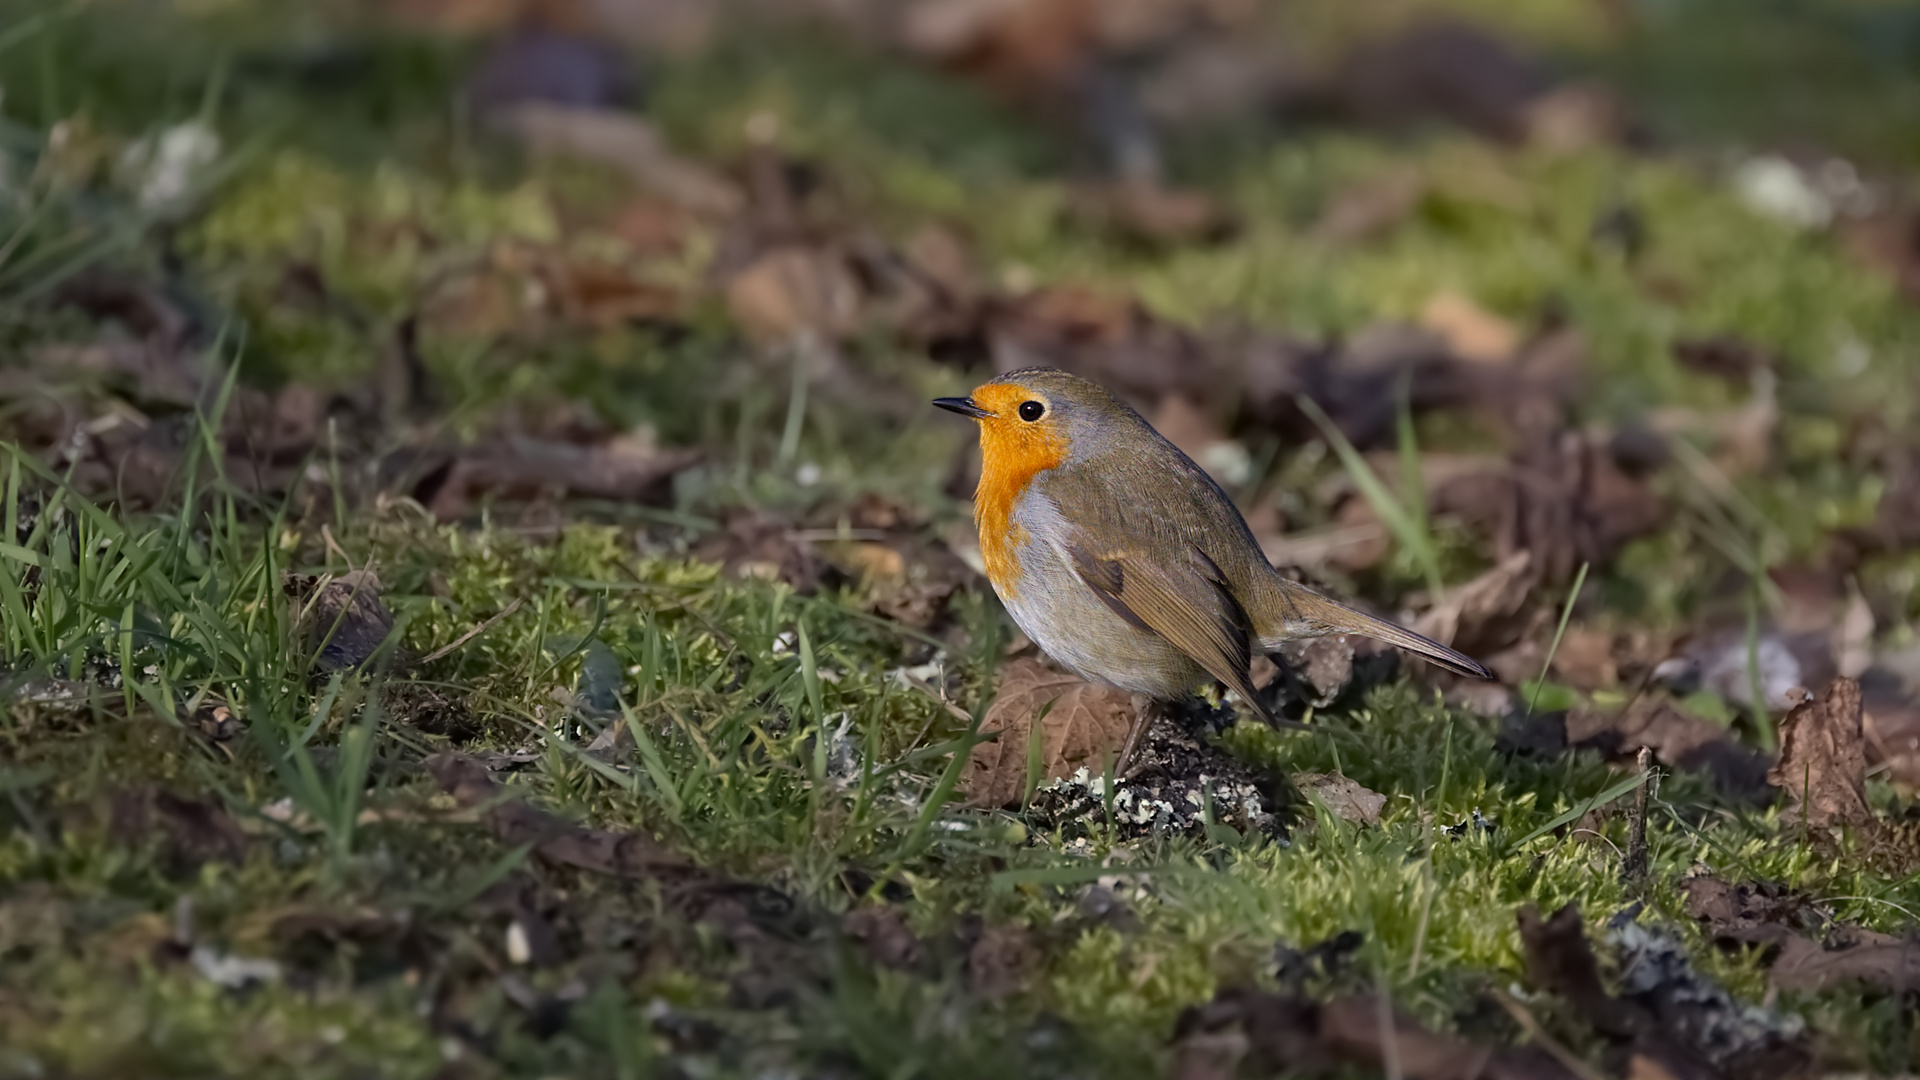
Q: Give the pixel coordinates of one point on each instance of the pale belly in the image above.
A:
(1078, 630)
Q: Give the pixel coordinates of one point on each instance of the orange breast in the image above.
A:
(1012, 453)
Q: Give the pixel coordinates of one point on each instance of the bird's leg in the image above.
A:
(1145, 711)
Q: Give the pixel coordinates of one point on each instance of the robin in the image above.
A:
(1123, 560)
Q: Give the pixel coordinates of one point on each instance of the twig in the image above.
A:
(475, 632)
(1634, 868)
(1547, 1042)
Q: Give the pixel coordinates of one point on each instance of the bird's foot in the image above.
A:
(1145, 711)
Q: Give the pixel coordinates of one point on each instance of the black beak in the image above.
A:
(962, 405)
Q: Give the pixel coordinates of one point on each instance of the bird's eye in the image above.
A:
(1031, 411)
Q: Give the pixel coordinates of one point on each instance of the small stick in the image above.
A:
(475, 632)
(1634, 868)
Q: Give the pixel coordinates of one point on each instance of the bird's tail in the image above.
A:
(1305, 613)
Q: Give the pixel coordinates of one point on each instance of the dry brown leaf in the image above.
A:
(1470, 330)
(1584, 659)
(794, 290)
(1001, 961)
(1768, 916)
(1345, 797)
(347, 620)
(1879, 960)
(1676, 736)
(1300, 1037)
(1151, 214)
(1086, 724)
(1494, 596)
(1823, 759)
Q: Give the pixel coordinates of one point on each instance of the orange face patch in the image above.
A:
(1012, 452)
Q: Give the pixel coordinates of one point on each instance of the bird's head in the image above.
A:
(1038, 419)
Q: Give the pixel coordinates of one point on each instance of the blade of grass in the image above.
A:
(1566, 613)
(1408, 530)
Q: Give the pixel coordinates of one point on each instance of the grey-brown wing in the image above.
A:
(1184, 599)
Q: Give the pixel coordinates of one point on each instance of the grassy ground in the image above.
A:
(188, 784)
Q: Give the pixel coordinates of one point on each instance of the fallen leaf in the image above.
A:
(1474, 611)
(191, 832)
(753, 544)
(794, 290)
(1325, 663)
(1584, 659)
(1823, 761)
(1001, 961)
(513, 822)
(1296, 1036)
(882, 930)
(1666, 1011)
(1677, 737)
(602, 296)
(1150, 214)
(1848, 955)
(1468, 329)
(1344, 797)
(1572, 118)
(1019, 47)
(1110, 339)
(346, 619)
(1085, 724)
(1786, 924)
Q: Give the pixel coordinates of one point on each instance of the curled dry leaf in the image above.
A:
(1807, 952)
(1474, 611)
(1677, 737)
(1823, 759)
(347, 620)
(192, 832)
(1585, 659)
(1085, 725)
(1150, 214)
(882, 929)
(795, 290)
(1471, 331)
(1562, 496)
(1001, 961)
(1665, 1012)
(1346, 798)
(1300, 1037)
(1325, 664)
